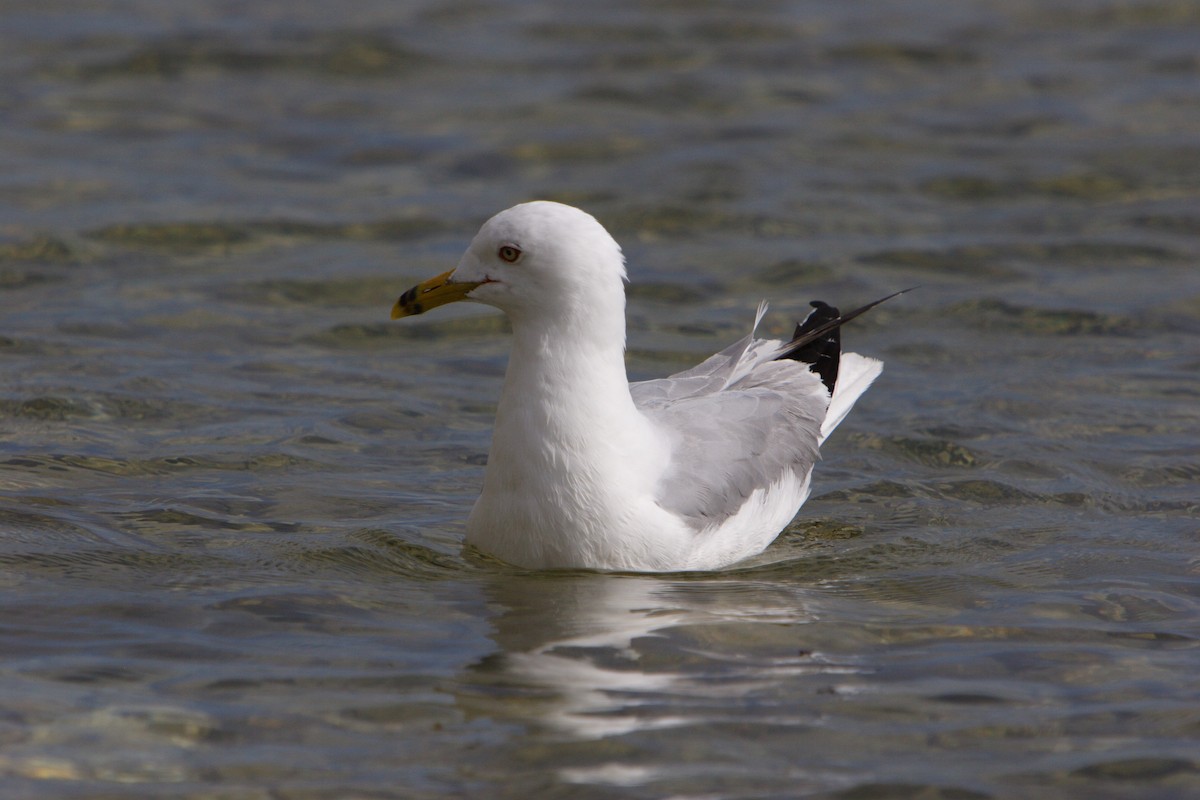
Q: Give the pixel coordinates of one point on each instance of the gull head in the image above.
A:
(540, 258)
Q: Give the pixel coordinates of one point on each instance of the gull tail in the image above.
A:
(858, 373)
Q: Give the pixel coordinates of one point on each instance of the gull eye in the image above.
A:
(509, 253)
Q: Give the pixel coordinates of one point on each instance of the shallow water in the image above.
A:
(233, 493)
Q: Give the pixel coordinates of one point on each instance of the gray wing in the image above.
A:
(710, 375)
(731, 437)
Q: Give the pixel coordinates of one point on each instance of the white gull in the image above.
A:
(692, 472)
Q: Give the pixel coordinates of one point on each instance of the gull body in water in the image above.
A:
(695, 471)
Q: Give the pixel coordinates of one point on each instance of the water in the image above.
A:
(234, 493)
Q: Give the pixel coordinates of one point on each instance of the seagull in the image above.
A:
(693, 472)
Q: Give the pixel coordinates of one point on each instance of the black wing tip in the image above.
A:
(817, 340)
(823, 352)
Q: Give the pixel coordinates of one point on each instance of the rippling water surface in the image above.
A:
(233, 493)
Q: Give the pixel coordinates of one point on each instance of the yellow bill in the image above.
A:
(432, 293)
